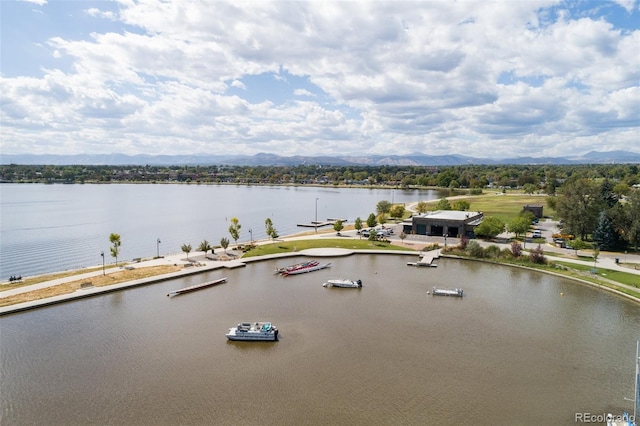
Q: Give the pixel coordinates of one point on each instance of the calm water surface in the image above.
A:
(512, 352)
(48, 228)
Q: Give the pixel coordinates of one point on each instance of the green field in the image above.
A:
(278, 247)
(504, 206)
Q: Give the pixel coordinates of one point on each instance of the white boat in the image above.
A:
(253, 331)
(343, 283)
(458, 292)
(304, 270)
(625, 419)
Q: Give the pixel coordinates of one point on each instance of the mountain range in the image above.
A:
(263, 159)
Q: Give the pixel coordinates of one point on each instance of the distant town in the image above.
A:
(534, 178)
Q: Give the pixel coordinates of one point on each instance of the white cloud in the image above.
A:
(475, 78)
(95, 12)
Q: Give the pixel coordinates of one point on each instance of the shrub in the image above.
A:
(506, 253)
(516, 249)
(536, 255)
(492, 251)
(474, 249)
(464, 242)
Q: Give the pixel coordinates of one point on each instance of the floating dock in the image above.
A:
(427, 259)
(196, 287)
(320, 224)
(456, 292)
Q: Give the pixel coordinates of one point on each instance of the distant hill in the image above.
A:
(264, 159)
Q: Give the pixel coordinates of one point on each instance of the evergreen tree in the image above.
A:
(604, 234)
(607, 195)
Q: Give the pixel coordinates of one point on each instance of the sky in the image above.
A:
(487, 79)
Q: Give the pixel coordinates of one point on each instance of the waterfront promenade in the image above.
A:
(231, 259)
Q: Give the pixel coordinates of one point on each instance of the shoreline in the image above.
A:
(202, 263)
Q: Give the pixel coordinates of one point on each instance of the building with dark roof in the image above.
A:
(452, 223)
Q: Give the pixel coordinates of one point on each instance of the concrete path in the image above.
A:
(605, 260)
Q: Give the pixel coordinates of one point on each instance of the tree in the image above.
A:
(271, 231)
(187, 249)
(204, 247)
(224, 243)
(402, 236)
(490, 227)
(371, 220)
(604, 234)
(529, 188)
(234, 229)
(397, 211)
(461, 205)
(578, 207)
(383, 207)
(422, 207)
(631, 222)
(519, 225)
(358, 224)
(607, 195)
(443, 204)
(338, 226)
(115, 248)
(577, 244)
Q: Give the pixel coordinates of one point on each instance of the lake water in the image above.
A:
(521, 348)
(47, 228)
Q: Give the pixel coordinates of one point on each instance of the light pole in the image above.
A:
(251, 235)
(316, 222)
(445, 241)
(102, 254)
(158, 248)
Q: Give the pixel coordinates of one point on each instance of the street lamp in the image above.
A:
(102, 254)
(158, 248)
(316, 222)
(445, 241)
(251, 235)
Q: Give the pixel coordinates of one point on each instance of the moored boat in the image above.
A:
(457, 292)
(196, 287)
(253, 331)
(306, 269)
(296, 266)
(343, 283)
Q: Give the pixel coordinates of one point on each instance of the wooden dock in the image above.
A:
(427, 259)
(320, 224)
(196, 287)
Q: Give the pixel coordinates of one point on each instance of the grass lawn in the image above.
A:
(619, 276)
(347, 243)
(503, 206)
